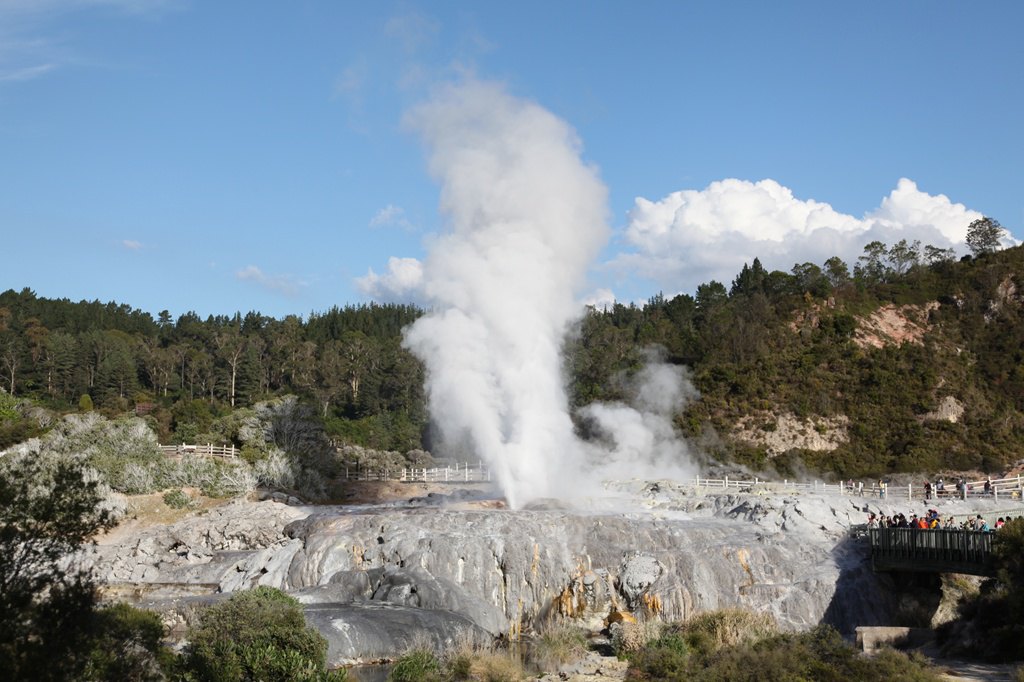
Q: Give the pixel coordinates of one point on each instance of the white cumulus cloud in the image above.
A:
(600, 299)
(693, 236)
(402, 283)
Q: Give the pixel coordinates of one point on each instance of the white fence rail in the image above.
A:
(466, 473)
(208, 450)
(1003, 488)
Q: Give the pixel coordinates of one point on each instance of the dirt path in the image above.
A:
(146, 511)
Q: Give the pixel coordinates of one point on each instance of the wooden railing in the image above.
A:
(466, 473)
(1003, 488)
(933, 551)
(208, 450)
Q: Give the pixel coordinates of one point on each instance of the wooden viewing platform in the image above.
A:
(931, 551)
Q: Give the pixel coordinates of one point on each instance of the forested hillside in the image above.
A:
(903, 364)
(908, 361)
(185, 373)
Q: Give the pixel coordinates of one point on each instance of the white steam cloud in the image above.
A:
(641, 436)
(525, 218)
(693, 236)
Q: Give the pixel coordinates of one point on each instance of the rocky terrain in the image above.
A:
(451, 566)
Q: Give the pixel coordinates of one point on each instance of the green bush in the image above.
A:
(252, 454)
(48, 510)
(15, 425)
(261, 635)
(127, 644)
(418, 665)
(991, 625)
(177, 499)
(665, 658)
(717, 654)
(8, 406)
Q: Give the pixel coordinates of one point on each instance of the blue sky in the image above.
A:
(234, 156)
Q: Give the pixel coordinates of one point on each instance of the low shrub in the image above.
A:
(495, 666)
(127, 644)
(557, 645)
(418, 665)
(260, 634)
(275, 471)
(709, 632)
(820, 654)
(990, 625)
(628, 638)
(177, 499)
(665, 658)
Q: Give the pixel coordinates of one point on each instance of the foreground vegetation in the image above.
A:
(699, 650)
(53, 627)
(990, 624)
(723, 646)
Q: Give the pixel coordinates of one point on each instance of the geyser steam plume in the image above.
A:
(524, 216)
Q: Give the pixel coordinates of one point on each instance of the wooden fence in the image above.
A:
(208, 450)
(1003, 488)
(466, 473)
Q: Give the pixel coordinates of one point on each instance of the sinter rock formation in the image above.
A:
(376, 578)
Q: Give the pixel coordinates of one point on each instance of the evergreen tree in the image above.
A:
(984, 235)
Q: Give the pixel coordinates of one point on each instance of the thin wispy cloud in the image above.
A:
(281, 284)
(351, 81)
(32, 44)
(131, 244)
(392, 216)
(25, 73)
(26, 10)
(413, 31)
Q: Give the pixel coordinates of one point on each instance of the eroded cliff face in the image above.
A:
(375, 579)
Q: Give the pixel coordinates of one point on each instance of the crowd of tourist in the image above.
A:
(932, 520)
(960, 488)
(937, 489)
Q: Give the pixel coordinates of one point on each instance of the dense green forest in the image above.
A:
(769, 344)
(184, 373)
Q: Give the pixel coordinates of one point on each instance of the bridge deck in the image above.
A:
(933, 551)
